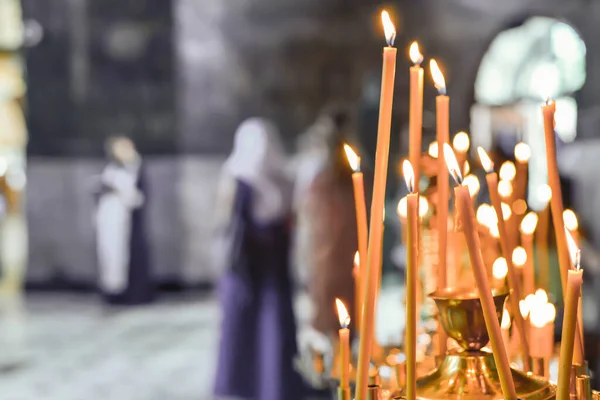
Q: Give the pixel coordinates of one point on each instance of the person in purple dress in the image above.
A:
(258, 333)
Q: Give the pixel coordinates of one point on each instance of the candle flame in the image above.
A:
(508, 171)
(486, 215)
(522, 152)
(461, 142)
(550, 312)
(541, 296)
(505, 324)
(438, 77)
(415, 55)
(506, 212)
(433, 150)
(472, 182)
(500, 268)
(494, 231)
(541, 312)
(342, 313)
(505, 189)
(486, 161)
(524, 308)
(519, 256)
(357, 259)
(409, 175)
(353, 159)
(544, 193)
(388, 28)
(402, 208)
(570, 220)
(452, 164)
(466, 168)
(574, 250)
(529, 223)
(423, 206)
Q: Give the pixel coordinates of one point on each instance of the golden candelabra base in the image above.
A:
(472, 375)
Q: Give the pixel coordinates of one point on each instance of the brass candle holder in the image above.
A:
(470, 373)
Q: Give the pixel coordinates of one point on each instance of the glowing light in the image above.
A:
(466, 168)
(544, 193)
(494, 231)
(409, 175)
(505, 189)
(452, 164)
(423, 206)
(353, 159)
(505, 320)
(402, 208)
(500, 268)
(529, 223)
(574, 251)
(461, 142)
(522, 152)
(388, 28)
(342, 313)
(438, 77)
(508, 171)
(472, 183)
(415, 55)
(485, 215)
(357, 259)
(519, 207)
(506, 212)
(541, 296)
(433, 150)
(486, 161)
(519, 256)
(524, 308)
(570, 220)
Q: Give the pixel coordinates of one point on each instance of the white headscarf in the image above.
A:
(258, 160)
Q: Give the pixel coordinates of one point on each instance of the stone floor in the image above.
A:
(69, 347)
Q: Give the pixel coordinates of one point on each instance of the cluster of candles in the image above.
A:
(504, 220)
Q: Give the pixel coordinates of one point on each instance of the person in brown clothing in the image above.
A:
(331, 239)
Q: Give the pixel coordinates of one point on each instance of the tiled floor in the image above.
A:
(69, 347)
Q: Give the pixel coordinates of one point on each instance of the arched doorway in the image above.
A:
(524, 65)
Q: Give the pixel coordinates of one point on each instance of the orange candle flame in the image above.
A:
(500, 268)
(570, 220)
(461, 142)
(486, 161)
(544, 193)
(423, 206)
(342, 313)
(402, 207)
(409, 175)
(356, 259)
(438, 77)
(415, 55)
(529, 223)
(506, 212)
(574, 251)
(522, 152)
(433, 150)
(519, 256)
(505, 189)
(472, 182)
(505, 324)
(388, 28)
(353, 159)
(452, 164)
(508, 171)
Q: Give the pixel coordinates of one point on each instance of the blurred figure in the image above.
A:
(327, 212)
(258, 336)
(123, 253)
(13, 142)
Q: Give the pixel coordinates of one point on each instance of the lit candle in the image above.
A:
(442, 107)
(507, 249)
(356, 272)
(415, 120)
(472, 182)
(568, 338)
(344, 334)
(522, 156)
(411, 282)
(543, 194)
(541, 317)
(528, 225)
(432, 150)
(377, 206)
(467, 218)
(361, 224)
(556, 204)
